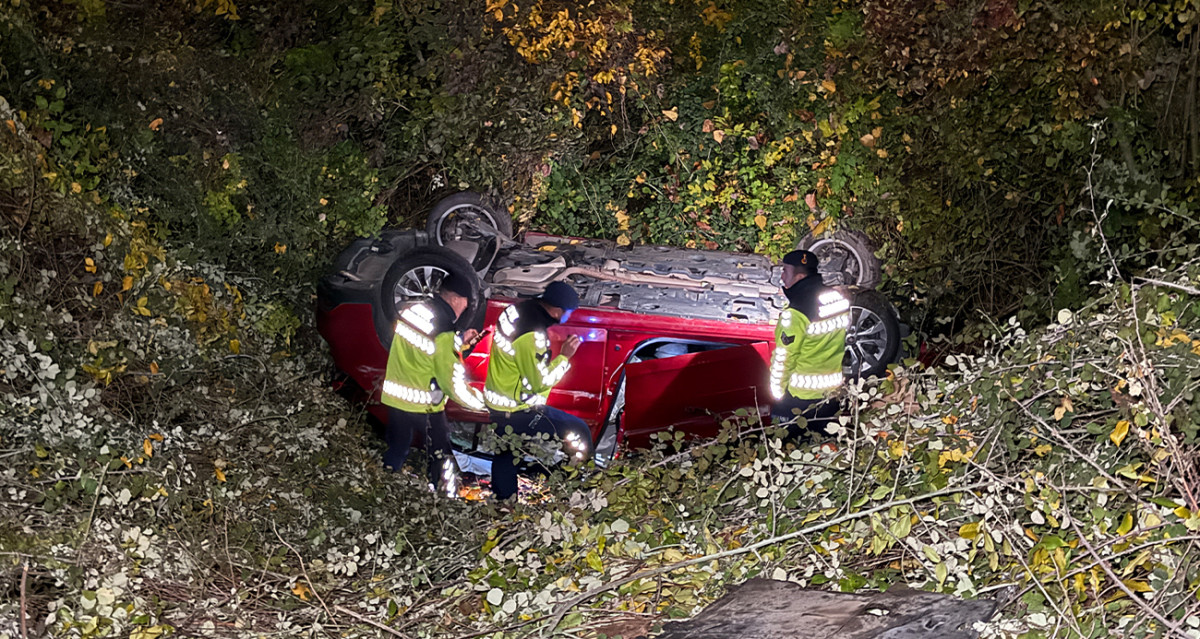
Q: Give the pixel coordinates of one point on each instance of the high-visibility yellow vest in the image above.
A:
(810, 342)
(425, 363)
(521, 371)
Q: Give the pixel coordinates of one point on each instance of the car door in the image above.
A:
(693, 392)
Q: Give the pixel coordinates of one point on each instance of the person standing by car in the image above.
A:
(424, 369)
(810, 341)
(521, 373)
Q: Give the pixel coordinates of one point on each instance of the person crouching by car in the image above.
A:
(424, 369)
(810, 341)
(521, 373)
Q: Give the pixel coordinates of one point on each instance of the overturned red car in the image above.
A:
(672, 338)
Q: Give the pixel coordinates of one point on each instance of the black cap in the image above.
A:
(457, 284)
(560, 295)
(802, 259)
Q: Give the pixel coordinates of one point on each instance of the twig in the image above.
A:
(571, 603)
(87, 531)
(507, 629)
(1121, 584)
(369, 622)
(24, 576)
(303, 569)
(1179, 287)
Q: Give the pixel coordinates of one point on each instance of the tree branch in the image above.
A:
(571, 603)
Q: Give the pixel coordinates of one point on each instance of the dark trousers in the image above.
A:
(572, 431)
(443, 468)
(817, 412)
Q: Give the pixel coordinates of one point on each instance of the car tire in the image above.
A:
(873, 339)
(847, 258)
(440, 223)
(417, 275)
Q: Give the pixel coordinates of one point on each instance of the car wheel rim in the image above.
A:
(463, 222)
(418, 284)
(866, 341)
(836, 257)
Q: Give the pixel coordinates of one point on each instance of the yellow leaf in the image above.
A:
(76, 187)
(280, 248)
(612, 130)
(12, 126)
(1059, 412)
(548, 248)
(301, 590)
(1126, 524)
(108, 239)
(97, 288)
(672, 114)
(148, 447)
(127, 283)
(498, 15)
(156, 437)
(719, 136)
(623, 240)
(881, 153)
(760, 221)
(1041, 451)
(155, 123)
(969, 531)
(1137, 586)
(90, 265)
(829, 85)
(220, 474)
(1119, 432)
(153, 368)
(235, 346)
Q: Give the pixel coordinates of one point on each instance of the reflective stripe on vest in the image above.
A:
(466, 395)
(778, 359)
(415, 326)
(552, 377)
(411, 395)
(503, 337)
(833, 303)
(500, 400)
(841, 322)
(816, 382)
(420, 316)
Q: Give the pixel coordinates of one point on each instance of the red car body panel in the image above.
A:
(687, 391)
(692, 391)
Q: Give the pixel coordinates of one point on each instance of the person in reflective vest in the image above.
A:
(424, 369)
(521, 373)
(810, 341)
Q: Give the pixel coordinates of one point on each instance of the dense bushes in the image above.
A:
(960, 137)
